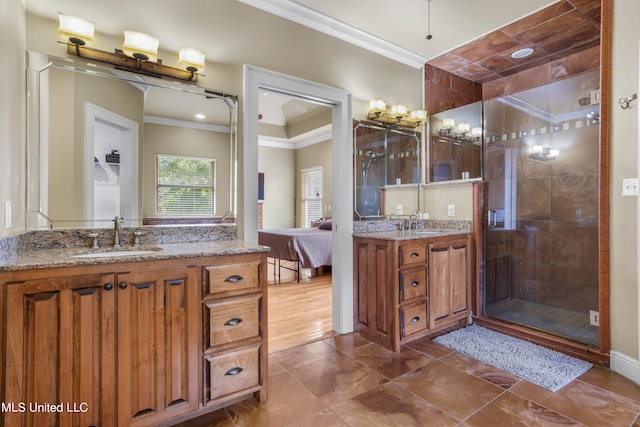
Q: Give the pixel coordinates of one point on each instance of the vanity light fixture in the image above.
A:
(397, 114)
(138, 55)
(540, 152)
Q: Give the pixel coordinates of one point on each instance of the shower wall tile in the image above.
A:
(535, 205)
(574, 198)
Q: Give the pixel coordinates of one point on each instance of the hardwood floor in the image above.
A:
(299, 313)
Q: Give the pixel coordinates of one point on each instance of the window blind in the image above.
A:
(185, 185)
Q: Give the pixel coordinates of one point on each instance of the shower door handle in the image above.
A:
(492, 218)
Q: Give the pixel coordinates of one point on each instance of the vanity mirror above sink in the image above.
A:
(104, 142)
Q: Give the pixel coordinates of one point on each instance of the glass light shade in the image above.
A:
(418, 116)
(73, 29)
(191, 59)
(377, 106)
(476, 132)
(463, 127)
(536, 149)
(448, 123)
(399, 110)
(554, 153)
(140, 46)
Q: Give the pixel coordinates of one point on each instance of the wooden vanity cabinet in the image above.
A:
(234, 347)
(406, 289)
(158, 316)
(122, 344)
(60, 348)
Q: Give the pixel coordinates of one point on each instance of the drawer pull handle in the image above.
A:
(233, 322)
(108, 286)
(460, 247)
(414, 283)
(175, 282)
(414, 255)
(233, 279)
(234, 371)
(439, 249)
(415, 319)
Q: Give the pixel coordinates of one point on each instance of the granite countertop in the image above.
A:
(409, 234)
(68, 257)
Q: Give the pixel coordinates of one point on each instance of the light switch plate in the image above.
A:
(630, 187)
(7, 215)
(451, 210)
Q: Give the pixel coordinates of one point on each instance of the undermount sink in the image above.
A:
(117, 253)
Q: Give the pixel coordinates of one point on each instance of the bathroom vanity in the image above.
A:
(147, 338)
(408, 284)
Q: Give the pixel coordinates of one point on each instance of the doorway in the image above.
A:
(256, 79)
(111, 160)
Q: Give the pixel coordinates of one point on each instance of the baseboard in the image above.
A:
(625, 366)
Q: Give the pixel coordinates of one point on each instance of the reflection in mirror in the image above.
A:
(386, 168)
(106, 143)
(455, 143)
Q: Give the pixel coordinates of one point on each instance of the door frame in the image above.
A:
(256, 78)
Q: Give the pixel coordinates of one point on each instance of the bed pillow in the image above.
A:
(325, 225)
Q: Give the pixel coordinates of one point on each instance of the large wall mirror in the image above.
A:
(387, 171)
(455, 144)
(104, 142)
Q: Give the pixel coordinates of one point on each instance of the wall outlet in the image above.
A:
(594, 318)
(630, 187)
(451, 210)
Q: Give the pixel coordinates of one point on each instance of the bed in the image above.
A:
(303, 247)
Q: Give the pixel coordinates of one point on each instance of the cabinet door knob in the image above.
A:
(108, 286)
(233, 279)
(414, 283)
(234, 371)
(123, 285)
(233, 322)
(415, 319)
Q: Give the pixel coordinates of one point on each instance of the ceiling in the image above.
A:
(469, 38)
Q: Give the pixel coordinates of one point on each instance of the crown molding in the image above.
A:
(319, 21)
(186, 124)
(315, 136)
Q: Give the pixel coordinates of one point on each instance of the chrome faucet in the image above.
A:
(116, 232)
(413, 222)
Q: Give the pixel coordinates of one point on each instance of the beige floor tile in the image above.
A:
(480, 369)
(512, 410)
(337, 380)
(612, 381)
(299, 356)
(388, 363)
(289, 401)
(347, 343)
(430, 348)
(325, 418)
(390, 405)
(455, 392)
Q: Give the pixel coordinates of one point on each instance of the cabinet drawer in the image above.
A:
(409, 255)
(232, 278)
(413, 318)
(413, 284)
(230, 372)
(232, 320)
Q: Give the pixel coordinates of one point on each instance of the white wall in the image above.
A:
(624, 211)
(12, 115)
(278, 166)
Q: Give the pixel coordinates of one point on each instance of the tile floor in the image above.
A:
(348, 381)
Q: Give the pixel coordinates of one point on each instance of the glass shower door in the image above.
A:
(541, 208)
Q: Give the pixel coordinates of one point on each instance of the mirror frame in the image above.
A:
(37, 158)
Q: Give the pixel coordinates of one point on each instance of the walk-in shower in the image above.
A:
(541, 175)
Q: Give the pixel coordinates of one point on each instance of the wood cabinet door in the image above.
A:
(60, 350)
(158, 344)
(448, 281)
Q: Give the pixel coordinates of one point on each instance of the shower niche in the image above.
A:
(387, 170)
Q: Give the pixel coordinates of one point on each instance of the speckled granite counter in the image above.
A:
(47, 258)
(409, 235)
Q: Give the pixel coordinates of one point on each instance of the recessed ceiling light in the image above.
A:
(200, 116)
(522, 53)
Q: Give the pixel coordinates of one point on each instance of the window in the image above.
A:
(185, 185)
(311, 196)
